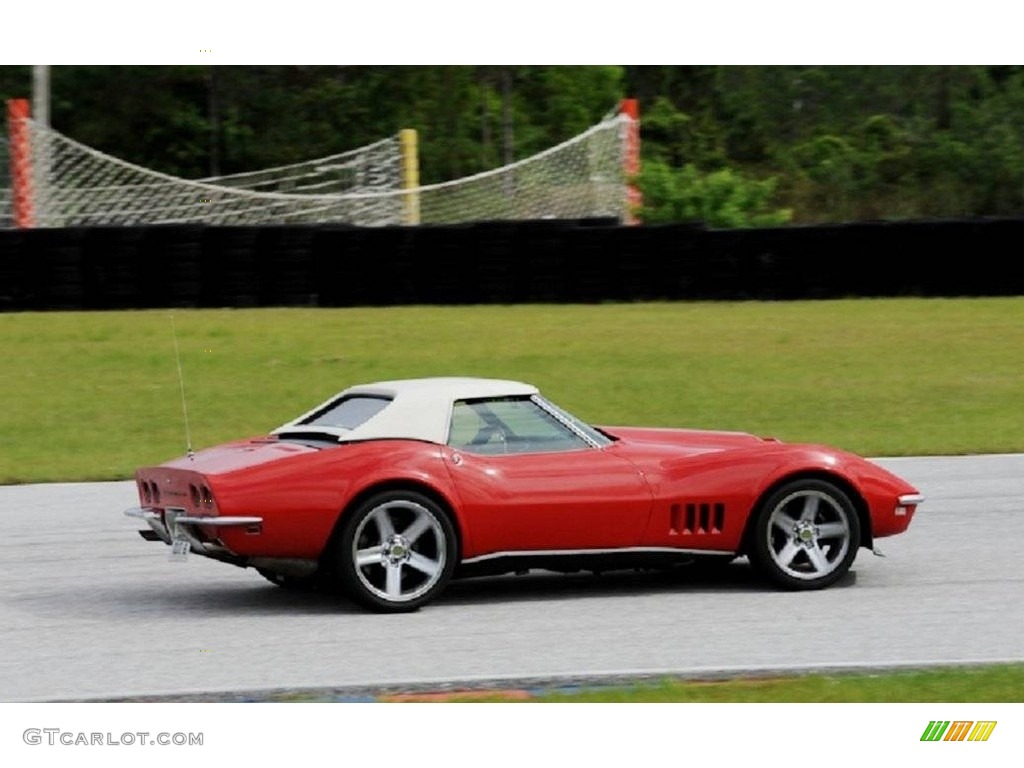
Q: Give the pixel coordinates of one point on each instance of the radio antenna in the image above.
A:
(181, 384)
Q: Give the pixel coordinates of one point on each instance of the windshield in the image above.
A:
(598, 438)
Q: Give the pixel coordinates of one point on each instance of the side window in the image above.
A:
(467, 427)
(509, 425)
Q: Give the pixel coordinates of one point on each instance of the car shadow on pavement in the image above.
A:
(736, 578)
(232, 597)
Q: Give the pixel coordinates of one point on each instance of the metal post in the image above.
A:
(408, 141)
(41, 147)
(21, 164)
(631, 160)
(41, 94)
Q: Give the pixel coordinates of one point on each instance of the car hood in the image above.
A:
(686, 441)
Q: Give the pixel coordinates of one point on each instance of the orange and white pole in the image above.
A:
(631, 160)
(18, 113)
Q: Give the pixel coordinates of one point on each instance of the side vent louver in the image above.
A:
(697, 518)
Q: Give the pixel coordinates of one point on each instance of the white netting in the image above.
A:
(78, 186)
(6, 214)
(373, 168)
(580, 178)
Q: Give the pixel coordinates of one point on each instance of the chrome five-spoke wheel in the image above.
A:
(397, 551)
(807, 535)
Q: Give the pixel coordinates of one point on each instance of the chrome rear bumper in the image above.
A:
(183, 527)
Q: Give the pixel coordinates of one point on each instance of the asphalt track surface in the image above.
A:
(91, 611)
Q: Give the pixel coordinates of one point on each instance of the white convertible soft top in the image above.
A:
(420, 409)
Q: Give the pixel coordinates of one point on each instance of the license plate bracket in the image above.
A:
(180, 549)
(180, 546)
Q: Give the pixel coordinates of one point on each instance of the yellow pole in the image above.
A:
(410, 175)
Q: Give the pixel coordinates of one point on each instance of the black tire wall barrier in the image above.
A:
(501, 262)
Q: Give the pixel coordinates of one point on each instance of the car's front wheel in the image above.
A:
(806, 535)
(397, 551)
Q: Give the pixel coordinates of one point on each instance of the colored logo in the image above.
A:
(958, 730)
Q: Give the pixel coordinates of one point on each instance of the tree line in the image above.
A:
(728, 145)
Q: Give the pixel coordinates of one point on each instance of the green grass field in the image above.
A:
(93, 395)
(998, 683)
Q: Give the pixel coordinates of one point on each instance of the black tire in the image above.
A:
(396, 552)
(291, 583)
(806, 535)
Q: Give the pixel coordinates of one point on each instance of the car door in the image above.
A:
(528, 482)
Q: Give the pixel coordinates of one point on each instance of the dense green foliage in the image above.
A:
(731, 145)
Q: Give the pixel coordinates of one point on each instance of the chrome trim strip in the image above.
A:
(145, 513)
(153, 518)
(584, 552)
(219, 520)
(910, 499)
(148, 514)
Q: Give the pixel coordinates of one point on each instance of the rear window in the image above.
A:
(348, 412)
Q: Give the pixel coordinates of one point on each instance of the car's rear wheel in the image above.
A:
(397, 551)
(806, 535)
(291, 583)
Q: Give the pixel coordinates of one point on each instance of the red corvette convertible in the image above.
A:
(389, 490)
